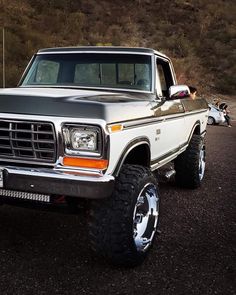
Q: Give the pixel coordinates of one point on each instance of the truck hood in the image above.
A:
(109, 106)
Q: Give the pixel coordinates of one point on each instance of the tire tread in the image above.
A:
(111, 221)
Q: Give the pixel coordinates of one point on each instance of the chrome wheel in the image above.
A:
(145, 218)
(122, 228)
(202, 162)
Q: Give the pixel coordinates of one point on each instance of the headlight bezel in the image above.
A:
(69, 129)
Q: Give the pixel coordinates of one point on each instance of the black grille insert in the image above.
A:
(28, 141)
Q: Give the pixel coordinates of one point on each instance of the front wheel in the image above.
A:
(190, 165)
(122, 227)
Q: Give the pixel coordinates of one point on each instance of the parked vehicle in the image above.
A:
(216, 115)
(94, 123)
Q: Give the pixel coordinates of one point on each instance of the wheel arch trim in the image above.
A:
(128, 149)
(195, 126)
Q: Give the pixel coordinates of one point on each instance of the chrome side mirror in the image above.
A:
(178, 91)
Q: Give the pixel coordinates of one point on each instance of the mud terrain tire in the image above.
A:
(122, 227)
(190, 165)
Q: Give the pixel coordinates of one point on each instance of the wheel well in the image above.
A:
(197, 130)
(140, 155)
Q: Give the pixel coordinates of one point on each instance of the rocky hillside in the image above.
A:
(198, 35)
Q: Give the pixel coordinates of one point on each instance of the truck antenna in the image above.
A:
(3, 59)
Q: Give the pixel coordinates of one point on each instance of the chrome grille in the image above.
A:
(28, 141)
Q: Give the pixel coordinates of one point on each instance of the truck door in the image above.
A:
(170, 114)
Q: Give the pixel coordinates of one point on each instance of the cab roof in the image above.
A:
(110, 49)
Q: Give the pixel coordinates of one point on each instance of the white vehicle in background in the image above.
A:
(216, 116)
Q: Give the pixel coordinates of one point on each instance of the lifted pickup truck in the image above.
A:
(95, 123)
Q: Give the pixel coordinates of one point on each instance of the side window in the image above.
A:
(165, 76)
(162, 77)
(47, 72)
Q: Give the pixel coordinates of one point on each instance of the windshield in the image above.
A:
(91, 70)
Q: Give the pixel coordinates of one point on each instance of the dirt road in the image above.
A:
(48, 253)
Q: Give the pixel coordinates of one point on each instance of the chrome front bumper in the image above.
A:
(63, 182)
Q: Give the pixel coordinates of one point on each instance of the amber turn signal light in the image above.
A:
(115, 128)
(85, 162)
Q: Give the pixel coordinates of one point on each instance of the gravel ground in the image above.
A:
(48, 253)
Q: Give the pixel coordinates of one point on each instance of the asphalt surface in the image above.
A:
(48, 253)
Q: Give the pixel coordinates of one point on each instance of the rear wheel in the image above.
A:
(210, 121)
(190, 165)
(122, 227)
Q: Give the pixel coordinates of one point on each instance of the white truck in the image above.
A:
(95, 123)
